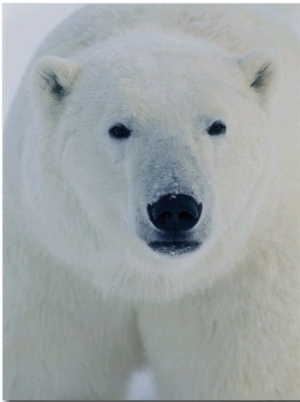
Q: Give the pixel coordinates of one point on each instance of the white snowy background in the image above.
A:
(24, 27)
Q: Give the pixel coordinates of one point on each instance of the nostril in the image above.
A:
(175, 212)
(185, 216)
(164, 220)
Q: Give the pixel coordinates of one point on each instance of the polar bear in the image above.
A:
(151, 184)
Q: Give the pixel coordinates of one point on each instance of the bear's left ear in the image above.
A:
(53, 79)
(262, 70)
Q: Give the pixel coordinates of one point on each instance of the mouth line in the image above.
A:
(174, 248)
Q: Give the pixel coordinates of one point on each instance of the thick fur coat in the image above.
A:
(209, 96)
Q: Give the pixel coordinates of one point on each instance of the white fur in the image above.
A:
(86, 300)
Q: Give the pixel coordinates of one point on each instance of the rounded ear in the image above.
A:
(53, 79)
(262, 70)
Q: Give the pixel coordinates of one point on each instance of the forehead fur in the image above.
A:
(157, 67)
(159, 55)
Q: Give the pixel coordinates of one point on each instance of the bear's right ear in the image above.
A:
(53, 78)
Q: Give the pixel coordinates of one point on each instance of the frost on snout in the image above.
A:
(170, 194)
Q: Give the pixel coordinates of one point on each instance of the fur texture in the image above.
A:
(86, 300)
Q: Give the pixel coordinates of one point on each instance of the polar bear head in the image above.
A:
(147, 159)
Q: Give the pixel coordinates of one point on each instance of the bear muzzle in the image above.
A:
(174, 215)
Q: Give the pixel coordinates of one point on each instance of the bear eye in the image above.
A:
(119, 131)
(217, 128)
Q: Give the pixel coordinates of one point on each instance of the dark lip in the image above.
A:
(174, 248)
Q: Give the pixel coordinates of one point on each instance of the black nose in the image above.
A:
(175, 212)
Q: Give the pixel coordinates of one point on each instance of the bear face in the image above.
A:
(164, 141)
